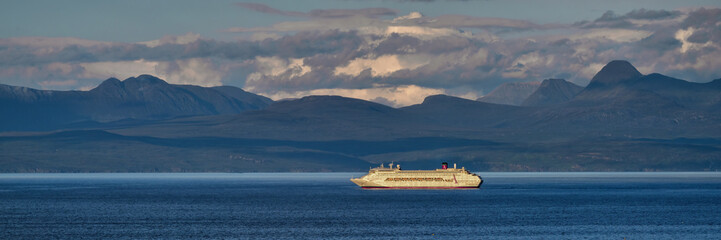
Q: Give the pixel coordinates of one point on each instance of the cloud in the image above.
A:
(642, 13)
(397, 96)
(117, 69)
(632, 19)
(194, 71)
(373, 58)
(341, 13)
(48, 83)
(616, 35)
(321, 13)
(44, 42)
(357, 23)
(184, 39)
(381, 66)
(171, 48)
(412, 15)
(684, 36)
(368, 21)
(275, 68)
(422, 32)
(461, 21)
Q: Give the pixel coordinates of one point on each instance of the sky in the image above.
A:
(394, 52)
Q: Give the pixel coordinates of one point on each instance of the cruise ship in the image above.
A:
(394, 177)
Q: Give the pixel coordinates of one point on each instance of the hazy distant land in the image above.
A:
(622, 121)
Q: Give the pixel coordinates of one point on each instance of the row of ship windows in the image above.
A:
(418, 179)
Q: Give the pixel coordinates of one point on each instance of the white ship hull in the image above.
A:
(439, 178)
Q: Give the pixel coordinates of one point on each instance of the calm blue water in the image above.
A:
(329, 206)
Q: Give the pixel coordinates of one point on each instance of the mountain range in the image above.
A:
(552, 92)
(511, 93)
(134, 99)
(622, 121)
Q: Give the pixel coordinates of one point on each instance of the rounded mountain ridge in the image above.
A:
(131, 82)
(323, 101)
(615, 72)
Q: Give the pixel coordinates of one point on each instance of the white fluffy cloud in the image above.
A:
(683, 35)
(119, 69)
(617, 35)
(424, 32)
(366, 54)
(397, 96)
(381, 66)
(183, 39)
(412, 15)
(194, 71)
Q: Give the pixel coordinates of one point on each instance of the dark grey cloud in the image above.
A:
(299, 45)
(340, 13)
(703, 18)
(700, 36)
(397, 44)
(462, 21)
(311, 43)
(706, 24)
(447, 44)
(431, 53)
(471, 22)
(611, 20)
(639, 14)
(661, 41)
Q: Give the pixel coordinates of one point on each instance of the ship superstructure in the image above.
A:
(394, 177)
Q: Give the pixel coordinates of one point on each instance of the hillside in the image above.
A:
(552, 92)
(138, 98)
(622, 121)
(510, 93)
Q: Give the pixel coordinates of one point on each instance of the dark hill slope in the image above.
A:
(552, 92)
(622, 122)
(614, 73)
(510, 93)
(142, 98)
(620, 101)
(463, 113)
(618, 84)
(688, 94)
(308, 118)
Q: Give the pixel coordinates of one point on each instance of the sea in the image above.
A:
(673, 205)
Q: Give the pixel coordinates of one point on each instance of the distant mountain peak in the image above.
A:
(109, 83)
(324, 100)
(615, 72)
(143, 98)
(551, 92)
(133, 83)
(323, 105)
(112, 80)
(553, 81)
(320, 101)
(145, 79)
(444, 99)
(437, 97)
(511, 93)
